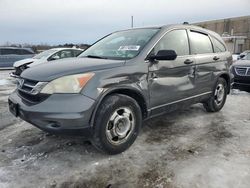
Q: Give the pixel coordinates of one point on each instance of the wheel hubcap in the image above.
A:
(120, 126)
(219, 94)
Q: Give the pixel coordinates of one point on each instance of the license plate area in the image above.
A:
(13, 107)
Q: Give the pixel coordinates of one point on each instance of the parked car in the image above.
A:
(125, 78)
(235, 57)
(9, 55)
(243, 54)
(241, 71)
(43, 57)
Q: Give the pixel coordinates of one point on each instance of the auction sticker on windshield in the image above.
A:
(129, 48)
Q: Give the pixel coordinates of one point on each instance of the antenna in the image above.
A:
(132, 21)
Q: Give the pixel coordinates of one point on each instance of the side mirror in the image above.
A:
(164, 55)
(242, 56)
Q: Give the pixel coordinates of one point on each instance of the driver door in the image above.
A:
(171, 81)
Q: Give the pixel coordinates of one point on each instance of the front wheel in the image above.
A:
(117, 124)
(218, 97)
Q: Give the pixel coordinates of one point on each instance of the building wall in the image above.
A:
(234, 27)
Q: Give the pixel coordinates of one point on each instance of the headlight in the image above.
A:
(68, 84)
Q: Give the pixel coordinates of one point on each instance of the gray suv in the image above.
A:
(123, 79)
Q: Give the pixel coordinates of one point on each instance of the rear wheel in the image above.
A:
(218, 98)
(117, 124)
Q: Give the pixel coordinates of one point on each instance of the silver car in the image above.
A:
(43, 57)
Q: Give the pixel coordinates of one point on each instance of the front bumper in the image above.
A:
(59, 113)
(241, 86)
(241, 81)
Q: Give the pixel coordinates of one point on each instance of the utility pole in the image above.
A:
(132, 21)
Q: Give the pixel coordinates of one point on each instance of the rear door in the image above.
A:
(171, 81)
(205, 58)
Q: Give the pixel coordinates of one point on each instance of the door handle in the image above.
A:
(216, 58)
(188, 61)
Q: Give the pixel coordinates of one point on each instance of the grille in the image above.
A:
(242, 71)
(29, 90)
(32, 98)
(248, 72)
(26, 85)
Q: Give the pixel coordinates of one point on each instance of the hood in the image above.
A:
(245, 63)
(37, 62)
(23, 61)
(46, 72)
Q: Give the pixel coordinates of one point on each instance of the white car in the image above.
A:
(43, 57)
(235, 57)
(243, 54)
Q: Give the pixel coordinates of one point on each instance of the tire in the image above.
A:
(218, 98)
(117, 124)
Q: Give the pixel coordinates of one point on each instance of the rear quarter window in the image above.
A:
(200, 43)
(218, 46)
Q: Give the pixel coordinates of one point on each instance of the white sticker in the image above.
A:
(129, 48)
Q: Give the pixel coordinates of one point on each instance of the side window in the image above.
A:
(19, 51)
(200, 43)
(176, 40)
(61, 54)
(25, 52)
(55, 56)
(4, 52)
(66, 53)
(77, 53)
(9, 51)
(218, 46)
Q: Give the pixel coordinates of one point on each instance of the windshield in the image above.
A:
(121, 45)
(246, 57)
(45, 54)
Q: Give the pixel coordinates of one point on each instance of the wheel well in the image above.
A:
(227, 78)
(135, 95)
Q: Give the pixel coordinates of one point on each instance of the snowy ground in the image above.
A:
(187, 148)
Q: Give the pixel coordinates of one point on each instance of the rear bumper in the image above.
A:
(58, 114)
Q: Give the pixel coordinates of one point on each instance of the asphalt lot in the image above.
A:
(187, 148)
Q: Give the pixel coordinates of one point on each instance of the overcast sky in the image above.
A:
(84, 21)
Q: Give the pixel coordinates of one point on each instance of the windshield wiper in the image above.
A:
(95, 56)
